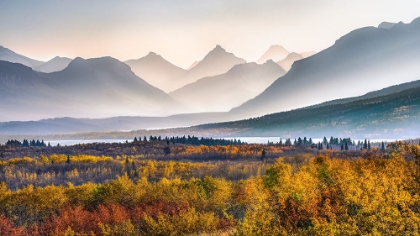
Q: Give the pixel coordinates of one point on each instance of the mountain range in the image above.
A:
(389, 112)
(99, 87)
(364, 60)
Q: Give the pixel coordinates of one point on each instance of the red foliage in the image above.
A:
(7, 227)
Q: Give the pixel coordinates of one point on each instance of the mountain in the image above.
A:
(392, 116)
(100, 87)
(55, 64)
(364, 60)
(216, 62)
(275, 53)
(307, 54)
(157, 71)
(386, 25)
(10, 56)
(225, 91)
(193, 65)
(287, 63)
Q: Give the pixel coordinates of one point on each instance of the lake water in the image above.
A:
(258, 140)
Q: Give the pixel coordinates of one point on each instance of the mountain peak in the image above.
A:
(218, 48)
(275, 53)
(152, 54)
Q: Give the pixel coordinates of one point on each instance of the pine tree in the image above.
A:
(68, 159)
(263, 154)
(383, 146)
(346, 147)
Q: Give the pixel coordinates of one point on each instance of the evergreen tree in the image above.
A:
(346, 147)
(368, 146)
(263, 154)
(135, 139)
(342, 147)
(68, 159)
(365, 144)
(383, 146)
(167, 151)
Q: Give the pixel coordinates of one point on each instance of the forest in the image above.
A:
(158, 187)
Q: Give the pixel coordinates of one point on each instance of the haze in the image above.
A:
(184, 31)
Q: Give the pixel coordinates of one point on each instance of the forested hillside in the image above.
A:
(393, 115)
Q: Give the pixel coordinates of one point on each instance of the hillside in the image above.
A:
(223, 92)
(157, 71)
(10, 56)
(392, 116)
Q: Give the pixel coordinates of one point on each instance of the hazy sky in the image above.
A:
(184, 31)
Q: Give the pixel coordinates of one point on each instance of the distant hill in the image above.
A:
(364, 60)
(287, 63)
(53, 65)
(395, 115)
(275, 53)
(100, 87)
(157, 71)
(216, 62)
(10, 56)
(223, 92)
(122, 123)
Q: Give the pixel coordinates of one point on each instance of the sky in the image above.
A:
(183, 31)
